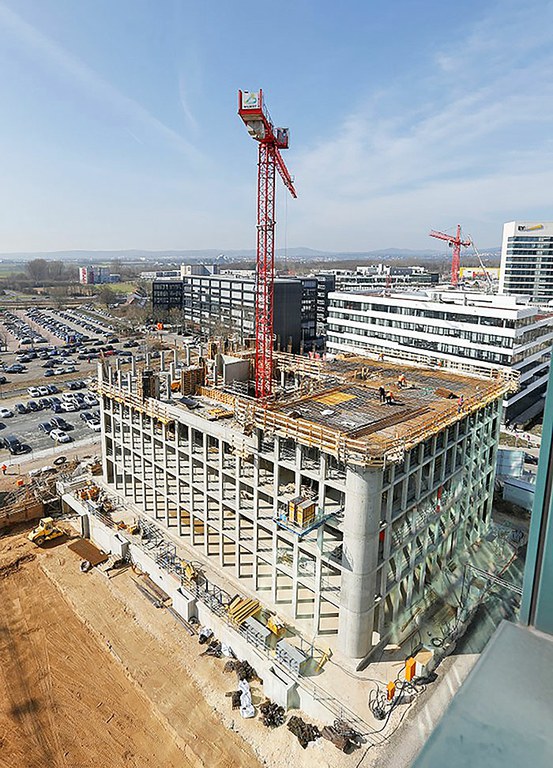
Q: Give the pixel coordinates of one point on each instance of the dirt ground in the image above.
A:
(67, 701)
(93, 674)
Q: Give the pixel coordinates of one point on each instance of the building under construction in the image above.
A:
(335, 501)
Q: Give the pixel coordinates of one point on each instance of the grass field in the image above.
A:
(120, 287)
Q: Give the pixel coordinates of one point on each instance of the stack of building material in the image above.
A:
(271, 714)
(305, 732)
(240, 609)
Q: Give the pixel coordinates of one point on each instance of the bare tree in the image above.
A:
(37, 269)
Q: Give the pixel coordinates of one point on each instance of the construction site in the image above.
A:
(272, 552)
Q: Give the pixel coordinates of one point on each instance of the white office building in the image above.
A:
(527, 260)
(450, 328)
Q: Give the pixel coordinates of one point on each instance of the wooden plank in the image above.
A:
(87, 551)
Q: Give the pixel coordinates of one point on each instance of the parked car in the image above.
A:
(15, 368)
(45, 426)
(33, 391)
(3, 380)
(58, 422)
(21, 408)
(60, 436)
(13, 444)
(68, 407)
(5, 413)
(528, 458)
(32, 405)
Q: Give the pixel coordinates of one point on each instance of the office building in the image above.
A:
(214, 304)
(451, 328)
(527, 260)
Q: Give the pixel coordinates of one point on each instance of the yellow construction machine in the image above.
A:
(45, 531)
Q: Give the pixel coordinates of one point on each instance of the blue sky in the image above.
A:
(119, 125)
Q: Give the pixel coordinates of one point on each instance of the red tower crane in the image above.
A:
(454, 242)
(255, 115)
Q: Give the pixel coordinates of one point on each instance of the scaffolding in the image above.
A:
(336, 408)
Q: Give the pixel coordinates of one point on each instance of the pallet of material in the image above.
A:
(240, 609)
(87, 551)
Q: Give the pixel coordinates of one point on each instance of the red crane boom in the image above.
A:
(454, 242)
(253, 112)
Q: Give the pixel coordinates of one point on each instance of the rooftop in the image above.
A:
(458, 299)
(338, 407)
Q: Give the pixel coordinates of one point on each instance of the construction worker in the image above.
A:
(401, 381)
(460, 403)
(389, 397)
(4, 468)
(382, 394)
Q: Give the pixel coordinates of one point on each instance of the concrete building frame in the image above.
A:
(385, 531)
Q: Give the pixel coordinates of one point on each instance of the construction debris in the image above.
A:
(244, 670)
(271, 714)
(235, 697)
(342, 735)
(305, 732)
(204, 634)
(213, 649)
(247, 709)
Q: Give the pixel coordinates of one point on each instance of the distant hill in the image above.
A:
(301, 254)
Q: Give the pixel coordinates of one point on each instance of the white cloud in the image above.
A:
(471, 145)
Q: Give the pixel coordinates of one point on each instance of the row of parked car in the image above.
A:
(84, 321)
(21, 330)
(56, 327)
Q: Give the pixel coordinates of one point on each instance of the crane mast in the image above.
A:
(454, 242)
(257, 120)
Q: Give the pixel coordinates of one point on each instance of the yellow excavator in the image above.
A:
(45, 531)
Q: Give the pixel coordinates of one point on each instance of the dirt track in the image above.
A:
(65, 700)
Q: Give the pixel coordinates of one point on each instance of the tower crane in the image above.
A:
(255, 115)
(455, 242)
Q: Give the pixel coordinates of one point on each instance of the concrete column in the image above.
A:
(318, 581)
(175, 357)
(187, 355)
(295, 571)
(133, 366)
(361, 527)
(162, 360)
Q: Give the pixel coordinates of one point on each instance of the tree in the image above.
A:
(37, 269)
(107, 295)
(55, 270)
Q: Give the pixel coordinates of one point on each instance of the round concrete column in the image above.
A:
(360, 558)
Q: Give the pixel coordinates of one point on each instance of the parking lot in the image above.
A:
(59, 348)
(78, 425)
